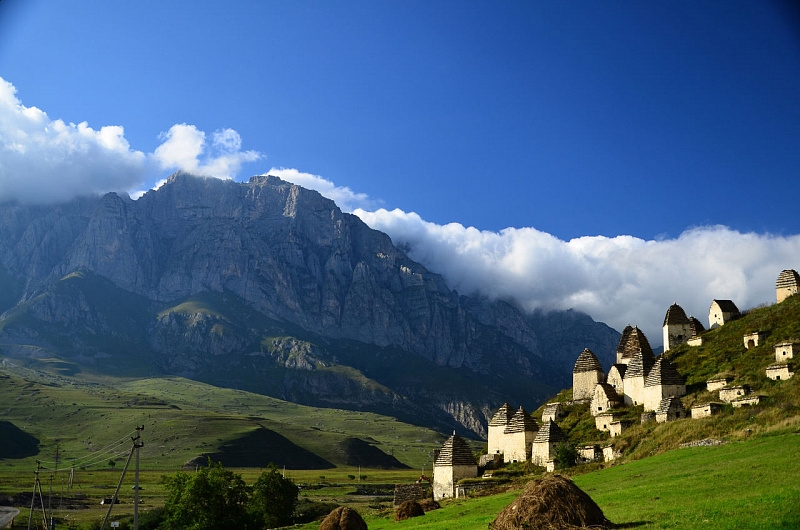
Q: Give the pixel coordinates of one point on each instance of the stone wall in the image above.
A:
(583, 384)
(409, 492)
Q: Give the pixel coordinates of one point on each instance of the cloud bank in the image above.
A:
(618, 280)
(621, 280)
(44, 160)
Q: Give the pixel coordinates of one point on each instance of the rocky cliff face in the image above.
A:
(285, 254)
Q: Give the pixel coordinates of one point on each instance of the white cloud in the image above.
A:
(185, 147)
(617, 280)
(44, 160)
(344, 197)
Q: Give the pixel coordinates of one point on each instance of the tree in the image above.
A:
(565, 455)
(211, 498)
(273, 499)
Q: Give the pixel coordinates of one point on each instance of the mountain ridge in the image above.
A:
(284, 258)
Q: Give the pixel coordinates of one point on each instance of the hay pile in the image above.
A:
(343, 518)
(429, 504)
(551, 503)
(407, 510)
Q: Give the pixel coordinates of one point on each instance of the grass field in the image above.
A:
(751, 484)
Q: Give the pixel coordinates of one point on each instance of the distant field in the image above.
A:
(184, 419)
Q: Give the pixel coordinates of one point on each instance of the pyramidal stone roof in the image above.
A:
(640, 364)
(623, 340)
(521, 422)
(609, 391)
(675, 316)
(621, 368)
(637, 343)
(455, 452)
(502, 416)
(787, 279)
(587, 362)
(550, 432)
(663, 373)
(667, 403)
(696, 326)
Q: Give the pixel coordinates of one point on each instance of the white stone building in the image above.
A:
(780, 371)
(544, 445)
(604, 399)
(786, 285)
(670, 409)
(720, 312)
(497, 427)
(586, 373)
(662, 381)
(785, 351)
(705, 410)
(454, 462)
(751, 340)
(518, 437)
(730, 393)
(677, 328)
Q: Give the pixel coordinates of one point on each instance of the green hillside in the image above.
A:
(722, 354)
(184, 420)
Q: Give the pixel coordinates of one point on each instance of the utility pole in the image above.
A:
(137, 446)
(37, 485)
(119, 484)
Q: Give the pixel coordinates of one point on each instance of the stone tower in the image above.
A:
(586, 374)
(677, 327)
(454, 462)
(497, 427)
(787, 284)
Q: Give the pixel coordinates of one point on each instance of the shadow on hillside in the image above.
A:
(357, 452)
(632, 525)
(263, 447)
(16, 443)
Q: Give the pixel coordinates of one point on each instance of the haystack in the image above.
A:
(343, 518)
(551, 503)
(407, 510)
(429, 504)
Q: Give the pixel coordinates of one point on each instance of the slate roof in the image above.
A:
(696, 326)
(521, 422)
(675, 315)
(621, 368)
(550, 432)
(587, 362)
(623, 340)
(668, 403)
(609, 391)
(663, 373)
(635, 342)
(726, 306)
(641, 357)
(455, 452)
(502, 416)
(787, 279)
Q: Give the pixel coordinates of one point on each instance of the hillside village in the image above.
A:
(638, 378)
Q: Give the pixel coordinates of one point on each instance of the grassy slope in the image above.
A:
(183, 419)
(741, 485)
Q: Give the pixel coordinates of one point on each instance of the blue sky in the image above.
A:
(547, 138)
